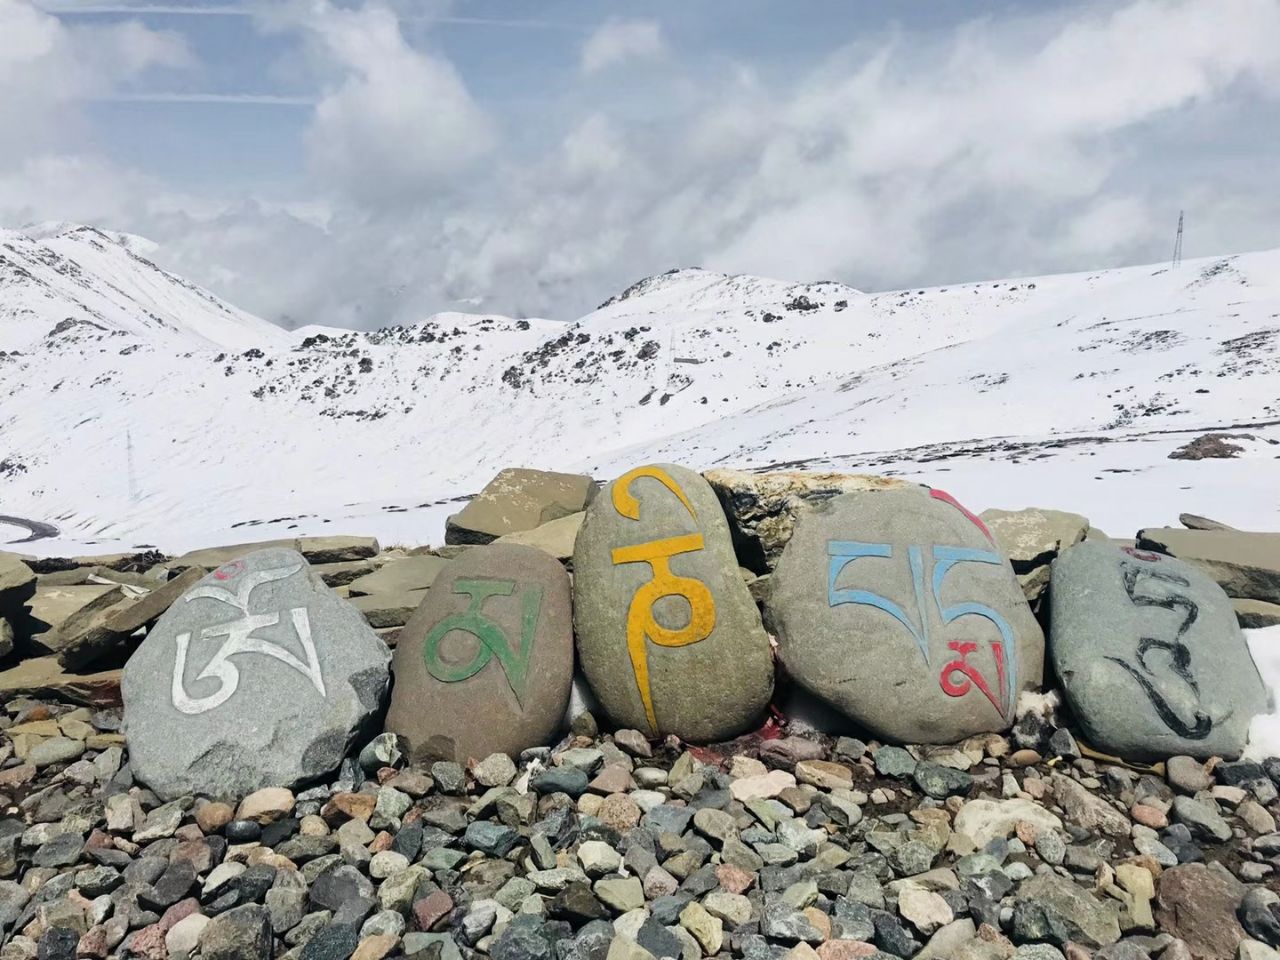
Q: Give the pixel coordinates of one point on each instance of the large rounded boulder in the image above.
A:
(669, 637)
(258, 676)
(1150, 656)
(897, 608)
(485, 664)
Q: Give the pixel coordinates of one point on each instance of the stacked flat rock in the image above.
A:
(258, 676)
(17, 584)
(1150, 656)
(897, 608)
(518, 499)
(485, 665)
(668, 635)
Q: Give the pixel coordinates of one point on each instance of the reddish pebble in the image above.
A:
(179, 911)
(1149, 816)
(94, 944)
(845, 949)
(430, 910)
(148, 943)
(734, 879)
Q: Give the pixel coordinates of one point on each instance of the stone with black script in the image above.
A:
(485, 665)
(898, 608)
(1149, 654)
(518, 499)
(257, 676)
(669, 637)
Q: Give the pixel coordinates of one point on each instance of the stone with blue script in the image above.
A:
(1151, 659)
(258, 676)
(897, 607)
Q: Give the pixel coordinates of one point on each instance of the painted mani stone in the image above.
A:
(669, 637)
(1150, 656)
(485, 664)
(896, 607)
(259, 675)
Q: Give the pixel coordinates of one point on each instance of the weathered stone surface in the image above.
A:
(1256, 614)
(1198, 904)
(259, 676)
(17, 584)
(82, 640)
(518, 499)
(340, 549)
(210, 557)
(668, 635)
(45, 677)
(385, 610)
(556, 537)
(1051, 908)
(1149, 654)
(1032, 538)
(400, 576)
(897, 608)
(1245, 564)
(486, 663)
(762, 507)
(50, 608)
(6, 637)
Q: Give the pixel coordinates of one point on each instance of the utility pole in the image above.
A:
(133, 486)
(1177, 243)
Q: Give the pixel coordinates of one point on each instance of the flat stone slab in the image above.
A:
(669, 636)
(485, 665)
(399, 576)
(384, 610)
(1149, 654)
(210, 557)
(1032, 537)
(17, 583)
(340, 549)
(84, 640)
(1246, 565)
(1256, 614)
(518, 499)
(898, 608)
(556, 537)
(258, 676)
(45, 678)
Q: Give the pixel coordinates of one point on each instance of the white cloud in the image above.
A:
(1012, 145)
(617, 41)
(398, 121)
(47, 69)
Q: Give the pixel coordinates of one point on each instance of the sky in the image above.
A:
(366, 163)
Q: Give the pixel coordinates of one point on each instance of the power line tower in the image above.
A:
(133, 483)
(1177, 243)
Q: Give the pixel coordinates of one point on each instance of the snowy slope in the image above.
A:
(82, 279)
(1066, 391)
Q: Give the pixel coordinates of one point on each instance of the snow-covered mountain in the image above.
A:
(160, 415)
(93, 280)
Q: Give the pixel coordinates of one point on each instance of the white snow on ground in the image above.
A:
(1264, 731)
(169, 418)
